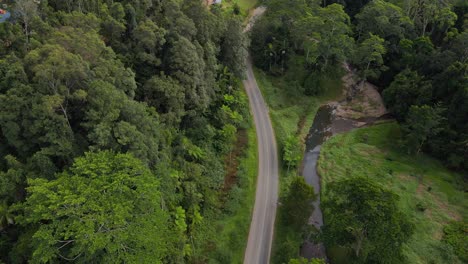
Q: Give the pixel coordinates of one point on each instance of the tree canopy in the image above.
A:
(115, 117)
(363, 217)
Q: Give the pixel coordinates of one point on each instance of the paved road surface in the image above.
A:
(263, 219)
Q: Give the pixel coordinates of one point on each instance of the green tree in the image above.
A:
(456, 235)
(334, 41)
(26, 10)
(383, 19)
(297, 204)
(187, 67)
(60, 74)
(105, 208)
(149, 40)
(368, 57)
(234, 48)
(421, 123)
(167, 96)
(407, 89)
(292, 151)
(364, 217)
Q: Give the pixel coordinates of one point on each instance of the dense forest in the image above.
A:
(115, 118)
(414, 51)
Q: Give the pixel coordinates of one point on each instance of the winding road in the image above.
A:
(263, 218)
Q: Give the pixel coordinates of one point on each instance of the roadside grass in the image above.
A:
(430, 195)
(291, 113)
(227, 235)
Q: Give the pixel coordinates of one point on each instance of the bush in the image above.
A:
(456, 235)
(312, 85)
(421, 207)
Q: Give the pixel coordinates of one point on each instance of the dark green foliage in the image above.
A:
(234, 49)
(302, 30)
(425, 62)
(312, 85)
(364, 217)
(297, 204)
(296, 208)
(99, 209)
(292, 151)
(407, 89)
(422, 122)
(456, 235)
(154, 81)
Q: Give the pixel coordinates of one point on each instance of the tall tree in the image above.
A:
(297, 204)
(407, 89)
(234, 48)
(368, 57)
(26, 10)
(105, 208)
(385, 20)
(421, 123)
(334, 43)
(364, 217)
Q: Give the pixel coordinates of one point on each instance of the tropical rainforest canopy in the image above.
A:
(114, 120)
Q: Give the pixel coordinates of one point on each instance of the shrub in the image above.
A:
(456, 235)
(421, 207)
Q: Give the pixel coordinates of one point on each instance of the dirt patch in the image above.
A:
(231, 161)
(421, 188)
(404, 177)
(362, 100)
(254, 15)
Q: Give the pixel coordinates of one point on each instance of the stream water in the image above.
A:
(324, 126)
(318, 133)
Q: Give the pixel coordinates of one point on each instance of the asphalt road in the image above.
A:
(263, 218)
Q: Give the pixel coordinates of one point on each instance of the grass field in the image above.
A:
(291, 113)
(419, 181)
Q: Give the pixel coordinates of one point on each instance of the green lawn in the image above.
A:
(418, 180)
(291, 112)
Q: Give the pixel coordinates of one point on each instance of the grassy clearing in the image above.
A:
(291, 112)
(229, 236)
(421, 182)
(245, 5)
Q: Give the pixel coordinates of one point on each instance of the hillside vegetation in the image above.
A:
(415, 53)
(430, 195)
(120, 133)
